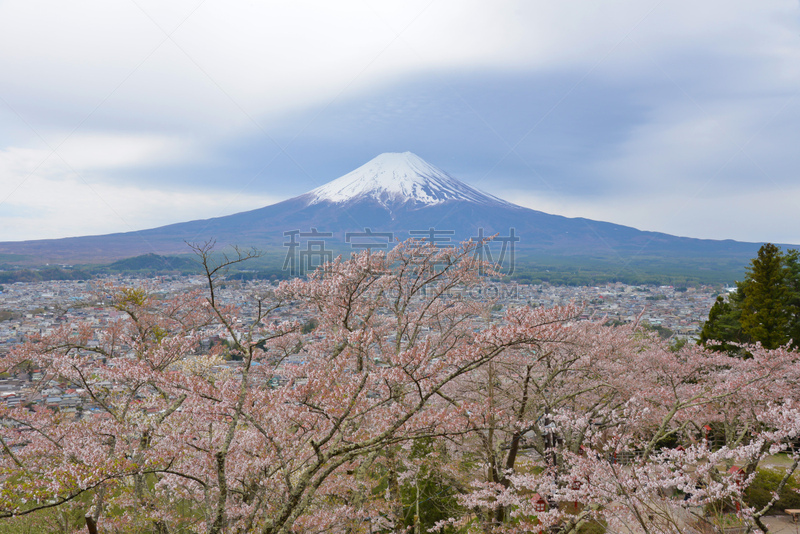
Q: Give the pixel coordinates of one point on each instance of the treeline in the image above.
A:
(575, 276)
(154, 263)
(583, 278)
(42, 275)
(146, 265)
(566, 271)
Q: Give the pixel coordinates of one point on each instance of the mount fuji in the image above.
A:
(395, 195)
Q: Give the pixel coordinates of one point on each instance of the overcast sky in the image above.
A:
(675, 116)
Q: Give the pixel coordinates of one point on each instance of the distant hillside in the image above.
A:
(154, 263)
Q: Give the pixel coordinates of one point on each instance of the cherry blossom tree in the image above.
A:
(622, 474)
(330, 404)
(284, 440)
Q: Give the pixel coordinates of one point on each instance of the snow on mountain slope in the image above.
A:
(395, 178)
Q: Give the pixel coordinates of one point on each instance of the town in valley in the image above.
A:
(35, 309)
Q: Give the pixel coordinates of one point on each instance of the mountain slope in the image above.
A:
(397, 194)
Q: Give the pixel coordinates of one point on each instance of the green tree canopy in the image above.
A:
(765, 315)
(724, 327)
(765, 307)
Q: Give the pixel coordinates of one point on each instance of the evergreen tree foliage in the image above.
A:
(765, 316)
(792, 265)
(723, 328)
(765, 307)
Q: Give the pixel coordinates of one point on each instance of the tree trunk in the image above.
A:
(394, 488)
(91, 524)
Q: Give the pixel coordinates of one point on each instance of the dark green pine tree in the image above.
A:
(792, 265)
(765, 307)
(765, 316)
(723, 327)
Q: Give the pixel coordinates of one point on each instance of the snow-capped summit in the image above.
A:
(396, 178)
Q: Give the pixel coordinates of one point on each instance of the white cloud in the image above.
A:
(271, 57)
(767, 215)
(700, 150)
(42, 196)
(113, 151)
